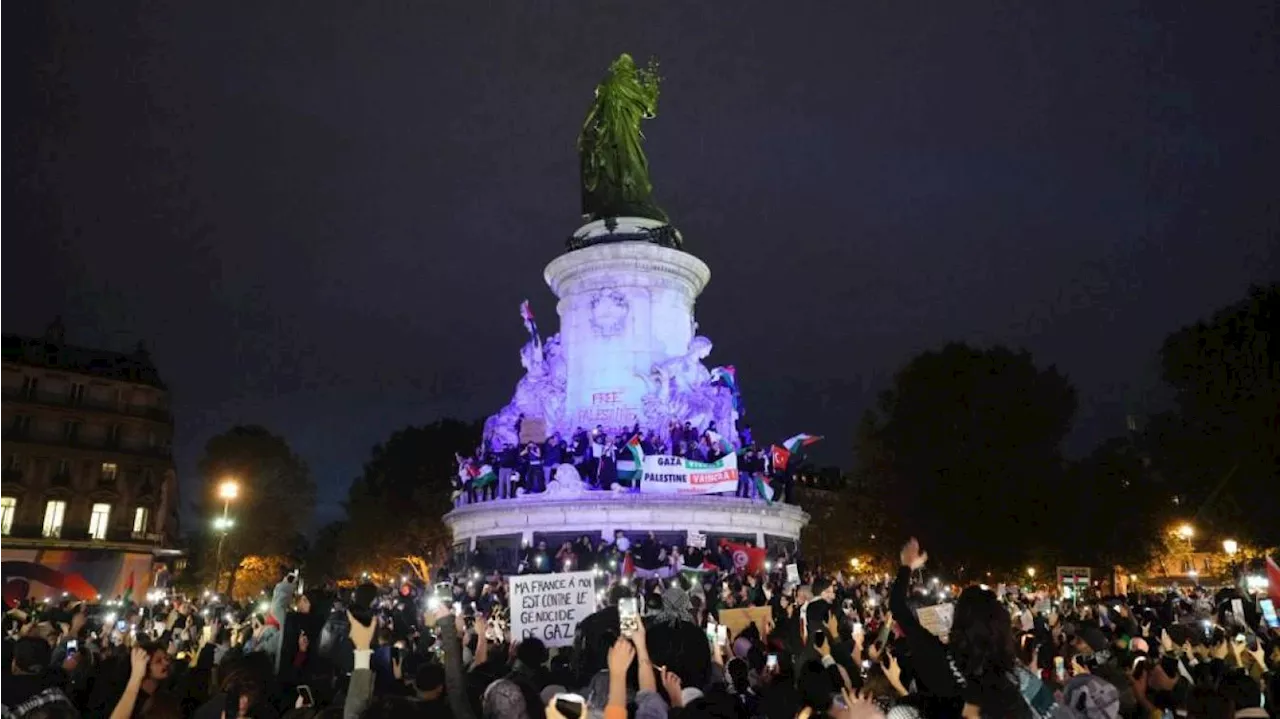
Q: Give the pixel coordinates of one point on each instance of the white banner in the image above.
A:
(664, 474)
(550, 606)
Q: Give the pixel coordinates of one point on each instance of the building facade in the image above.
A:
(89, 498)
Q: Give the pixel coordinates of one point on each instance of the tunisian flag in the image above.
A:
(746, 558)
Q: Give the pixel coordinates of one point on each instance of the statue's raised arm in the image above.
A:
(615, 172)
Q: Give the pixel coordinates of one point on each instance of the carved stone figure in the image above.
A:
(615, 171)
(680, 389)
(539, 394)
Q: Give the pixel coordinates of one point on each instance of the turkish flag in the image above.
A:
(746, 558)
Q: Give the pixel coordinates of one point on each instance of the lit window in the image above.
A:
(54, 511)
(8, 506)
(109, 470)
(140, 520)
(98, 521)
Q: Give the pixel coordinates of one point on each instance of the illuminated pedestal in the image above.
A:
(624, 307)
(509, 524)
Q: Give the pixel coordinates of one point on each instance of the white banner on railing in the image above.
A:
(664, 474)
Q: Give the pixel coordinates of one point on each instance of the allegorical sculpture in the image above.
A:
(620, 370)
(615, 171)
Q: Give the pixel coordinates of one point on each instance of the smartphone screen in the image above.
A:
(722, 634)
(1268, 607)
(771, 662)
(72, 646)
(121, 625)
(711, 631)
(1060, 668)
(628, 616)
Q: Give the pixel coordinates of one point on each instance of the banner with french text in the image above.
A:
(550, 606)
(664, 474)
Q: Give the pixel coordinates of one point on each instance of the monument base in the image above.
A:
(499, 529)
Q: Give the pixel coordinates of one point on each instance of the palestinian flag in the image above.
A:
(482, 476)
(762, 487)
(526, 314)
(800, 441)
(780, 455)
(632, 475)
(128, 588)
(728, 377)
(1273, 580)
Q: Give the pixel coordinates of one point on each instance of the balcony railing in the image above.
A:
(49, 399)
(15, 435)
(81, 534)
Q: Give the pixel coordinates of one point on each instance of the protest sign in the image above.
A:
(937, 618)
(664, 474)
(739, 619)
(550, 606)
(793, 575)
(697, 539)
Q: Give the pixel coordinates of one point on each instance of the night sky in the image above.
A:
(321, 216)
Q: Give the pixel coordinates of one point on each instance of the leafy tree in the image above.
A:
(1222, 449)
(966, 443)
(275, 500)
(1127, 513)
(395, 508)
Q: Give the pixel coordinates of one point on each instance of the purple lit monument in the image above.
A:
(628, 354)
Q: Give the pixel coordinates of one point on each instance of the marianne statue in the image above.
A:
(615, 172)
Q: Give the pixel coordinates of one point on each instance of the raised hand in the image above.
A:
(674, 688)
(621, 654)
(912, 557)
(139, 658)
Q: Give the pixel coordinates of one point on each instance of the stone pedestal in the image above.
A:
(600, 514)
(624, 307)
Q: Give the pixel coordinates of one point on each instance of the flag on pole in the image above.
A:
(526, 314)
(632, 476)
(779, 456)
(763, 488)
(128, 588)
(796, 443)
(728, 377)
(1273, 580)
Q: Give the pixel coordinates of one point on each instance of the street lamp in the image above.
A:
(855, 562)
(228, 490)
(1186, 531)
(1031, 572)
(1230, 546)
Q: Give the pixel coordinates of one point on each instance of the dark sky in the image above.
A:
(323, 215)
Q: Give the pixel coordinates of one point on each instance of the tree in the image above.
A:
(966, 443)
(1223, 447)
(395, 508)
(275, 499)
(1128, 514)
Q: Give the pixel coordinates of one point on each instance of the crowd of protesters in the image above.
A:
(596, 453)
(826, 645)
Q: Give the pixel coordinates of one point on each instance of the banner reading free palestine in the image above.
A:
(664, 474)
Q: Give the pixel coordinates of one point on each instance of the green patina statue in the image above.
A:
(615, 172)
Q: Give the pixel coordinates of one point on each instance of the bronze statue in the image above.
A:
(615, 172)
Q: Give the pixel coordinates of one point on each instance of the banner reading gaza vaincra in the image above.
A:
(664, 474)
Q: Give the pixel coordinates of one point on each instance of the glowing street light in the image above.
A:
(1186, 531)
(228, 490)
(1230, 546)
(855, 562)
(1031, 572)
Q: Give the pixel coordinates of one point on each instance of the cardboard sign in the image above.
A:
(533, 430)
(739, 619)
(937, 619)
(697, 540)
(550, 606)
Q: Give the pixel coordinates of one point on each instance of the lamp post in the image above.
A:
(227, 490)
(1231, 546)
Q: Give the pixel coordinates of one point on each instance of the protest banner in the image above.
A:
(550, 606)
(664, 474)
(793, 575)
